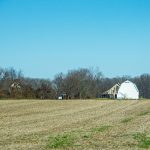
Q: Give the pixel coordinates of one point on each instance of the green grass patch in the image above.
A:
(126, 120)
(142, 139)
(144, 113)
(86, 136)
(101, 129)
(61, 141)
(67, 140)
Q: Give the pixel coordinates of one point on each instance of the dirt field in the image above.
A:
(86, 124)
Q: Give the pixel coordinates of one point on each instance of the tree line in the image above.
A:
(76, 84)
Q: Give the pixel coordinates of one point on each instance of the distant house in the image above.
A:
(62, 96)
(15, 89)
(16, 85)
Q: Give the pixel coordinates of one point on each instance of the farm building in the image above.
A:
(127, 90)
(62, 96)
(112, 92)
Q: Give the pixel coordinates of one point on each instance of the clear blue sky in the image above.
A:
(45, 37)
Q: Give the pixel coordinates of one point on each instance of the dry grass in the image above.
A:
(86, 124)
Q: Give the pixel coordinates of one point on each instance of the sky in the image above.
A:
(46, 37)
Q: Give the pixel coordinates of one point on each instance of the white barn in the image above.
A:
(128, 90)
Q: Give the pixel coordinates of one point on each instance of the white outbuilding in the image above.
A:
(128, 90)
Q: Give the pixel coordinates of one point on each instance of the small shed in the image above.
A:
(112, 92)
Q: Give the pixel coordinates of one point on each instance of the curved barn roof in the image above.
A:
(128, 90)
